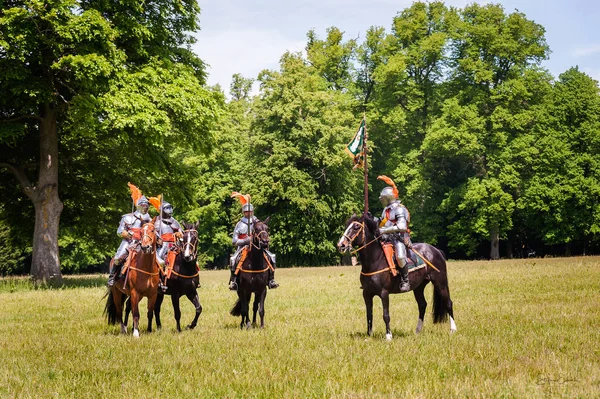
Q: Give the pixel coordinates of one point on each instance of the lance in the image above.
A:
(365, 167)
(160, 216)
(425, 260)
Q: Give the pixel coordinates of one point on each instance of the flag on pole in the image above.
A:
(356, 147)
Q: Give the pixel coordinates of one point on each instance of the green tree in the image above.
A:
(72, 67)
(561, 199)
(298, 171)
(495, 59)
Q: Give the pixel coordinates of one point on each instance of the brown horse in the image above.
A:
(253, 278)
(140, 280)
(377, 280)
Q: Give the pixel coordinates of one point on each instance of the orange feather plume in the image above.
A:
(136, 193)
(390, 182)
(244, 198)
(155, 201)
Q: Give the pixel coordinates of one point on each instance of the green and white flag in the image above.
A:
(356, 146)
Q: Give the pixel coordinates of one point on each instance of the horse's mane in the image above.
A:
(368, 219)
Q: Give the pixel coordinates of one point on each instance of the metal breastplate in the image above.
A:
(166, 226)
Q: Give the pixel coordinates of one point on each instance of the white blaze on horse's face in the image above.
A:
(188, 253)
(343, 244)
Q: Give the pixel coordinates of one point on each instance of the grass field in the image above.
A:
(526, 329)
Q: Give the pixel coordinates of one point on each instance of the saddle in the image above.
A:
(244, 255)
(413, 261)
(170, 261)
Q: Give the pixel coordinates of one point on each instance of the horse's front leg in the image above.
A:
(246, 311)
(135, 302)
(261, 308)
(368, 297)
(151, 305)
(176, 310)
(255, 308)
(385, 302)
(195, 299)
(159, 300)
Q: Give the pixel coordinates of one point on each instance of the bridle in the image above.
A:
(193, 247)
(359, 231)
(147, 235)
(258, 236)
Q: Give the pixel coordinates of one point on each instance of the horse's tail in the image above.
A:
(110, 309)
(236, 310)
(440, 311)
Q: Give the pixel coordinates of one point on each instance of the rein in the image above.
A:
(351, 239)
(194, 247)
(361, 230)
(143, 271)
(258, 247)
(258, 236)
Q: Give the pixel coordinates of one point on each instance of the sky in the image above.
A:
(247, 36)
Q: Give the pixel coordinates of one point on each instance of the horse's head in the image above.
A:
(190, 241)
(260, 238)
(148, 241)
(359, 229)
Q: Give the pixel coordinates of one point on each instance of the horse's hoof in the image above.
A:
(388, 336)
(136, 334)
(419, 326)
(452, 326)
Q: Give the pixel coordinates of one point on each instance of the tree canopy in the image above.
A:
(493, 156)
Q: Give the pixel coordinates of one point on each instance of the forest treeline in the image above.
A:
(493, 156)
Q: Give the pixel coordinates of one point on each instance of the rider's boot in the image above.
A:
(115, 268)
(233, 286)
(404, 284)
(272, 283)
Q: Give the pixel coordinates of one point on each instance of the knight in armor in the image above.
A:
(130, 230)
(169, 229)
(393, 228)
(242, 234)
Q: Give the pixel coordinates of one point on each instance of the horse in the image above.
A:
(184, 279)
(377, 280)
(140, 280)
(253, 277)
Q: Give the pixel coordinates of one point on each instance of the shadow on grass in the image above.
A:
(381, 335)
(24, 283)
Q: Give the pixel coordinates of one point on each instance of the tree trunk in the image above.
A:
(509, 247)
(495, 241)
(45, 265)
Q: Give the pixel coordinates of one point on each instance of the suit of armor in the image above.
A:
(393, 228)
(242, 235)
(168, 229)
(395, 219)
(130, 228)
(132, 223)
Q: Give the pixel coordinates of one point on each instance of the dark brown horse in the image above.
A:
(184, 278)
(140, 280)
(377, 280)
(253, 278)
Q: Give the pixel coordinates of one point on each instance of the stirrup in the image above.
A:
(233, 285)
(404, 287)
(162, 286)
(111, 281)
(273, 284)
